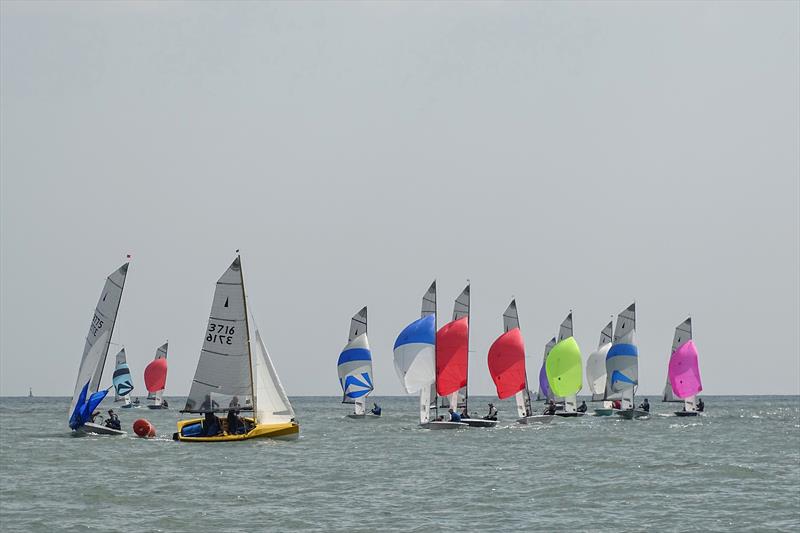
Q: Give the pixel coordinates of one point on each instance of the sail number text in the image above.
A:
(97, 323)
(220, 333)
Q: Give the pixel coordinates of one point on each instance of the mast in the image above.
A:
(247, 332)
(469, 326)
(113, 324)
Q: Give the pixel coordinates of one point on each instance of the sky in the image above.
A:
(572, 155)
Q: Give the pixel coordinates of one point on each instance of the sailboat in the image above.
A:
(564, 369)
(87, 396)
(235, 373)
(622, 365)
(155, 378)
(123, 383)
(506, 361)
(596, 371)
(355, 367)
(544, 394)
(683, 375)
(30, 392)
(415, 362)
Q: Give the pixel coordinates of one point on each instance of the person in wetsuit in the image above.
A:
(113, 420)
(550, 409)
(376, 409)
(235, 423)
(454, 417)
(492, 413)
(645, 406)
(211, 425)
(700, 405)
(582, 407)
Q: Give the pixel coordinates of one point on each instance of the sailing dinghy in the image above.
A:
(415, 362)
(596, 371)
(564, 369)
(155, 378)
(622, 365)
(683, 373)
(506, 361)
(355, 367)
(87, 395)
(123, 383)
(235, 373)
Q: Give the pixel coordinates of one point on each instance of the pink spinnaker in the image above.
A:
(684, 374)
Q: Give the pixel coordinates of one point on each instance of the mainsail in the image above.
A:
(355, 364)
(544, 387)
(86, 396)
(452, 353)
(234, 370)
(155, 374)
(564, 367)
(596, 364)
(683, 377)
(622, 361)
(123, 383)
(506, 361)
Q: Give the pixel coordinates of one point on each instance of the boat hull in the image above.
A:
(368, 416)
(285, 430)
(536, 419)
(90, 428)
(569, 414)
(686, 413)
(157, 407)
(630, 414)
(479, 422)
(129, 406)
(442, 424)
(604, 411)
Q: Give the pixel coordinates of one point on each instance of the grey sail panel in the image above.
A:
(565, 329)
(429, 300)
(98, 339)
(223, 377)
(358, 324)
(510, 317)
(683, 333)
(461, 306)
(607, 335)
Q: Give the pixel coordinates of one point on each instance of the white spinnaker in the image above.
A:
(223, 376)
(415, 365)
(98, 339)
(121, 359)
(356, 368)
(272, 404)
(683, 334)
(596, 365)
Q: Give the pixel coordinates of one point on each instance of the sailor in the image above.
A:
(164, 404)
(582, 407)
(454, 417)
(464, 413)
(492, 413)
(645, 406)
(211, 425)
(235, 425)
(376, 409)
(700, 405)
(208, 404)
(234, 403)
(113, 420)
(136, 401)
(616, 404)
(551, 408)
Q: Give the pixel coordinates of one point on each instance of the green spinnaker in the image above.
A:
(564, 368)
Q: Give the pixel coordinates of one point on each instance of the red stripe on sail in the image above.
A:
(155, 375)
(507, 363)
(451, 356)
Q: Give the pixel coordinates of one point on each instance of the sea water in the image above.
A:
(737, 467)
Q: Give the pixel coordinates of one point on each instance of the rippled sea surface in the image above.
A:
(735, 468)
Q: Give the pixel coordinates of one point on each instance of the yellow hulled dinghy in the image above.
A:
(235, 391)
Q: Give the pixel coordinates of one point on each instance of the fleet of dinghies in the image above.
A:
(235, 375)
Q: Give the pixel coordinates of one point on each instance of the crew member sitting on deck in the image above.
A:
(464, 413)
(454, 417)
(235, 423)
(113, 420)
(645, 406)
(551, 408)
(582, 407)
(211, 425)
(700, 405)
(492, 413)
(376, 409)
(616, 404)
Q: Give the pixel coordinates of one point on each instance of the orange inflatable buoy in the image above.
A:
(144, 428)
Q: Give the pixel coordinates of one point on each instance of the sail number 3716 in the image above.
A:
(220, 333)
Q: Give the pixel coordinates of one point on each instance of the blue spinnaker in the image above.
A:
(84, 408)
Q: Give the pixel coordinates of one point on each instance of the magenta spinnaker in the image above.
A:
(684, 373)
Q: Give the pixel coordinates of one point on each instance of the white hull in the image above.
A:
(536, 419)
(479, 422)
(90, 428)
(443, 425)
(368, 416)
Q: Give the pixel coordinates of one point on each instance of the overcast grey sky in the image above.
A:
(574, 155)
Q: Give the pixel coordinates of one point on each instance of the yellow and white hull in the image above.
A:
(284, 430)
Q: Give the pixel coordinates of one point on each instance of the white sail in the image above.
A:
(596, 365)
(98, 339)
(622, 361)
(429, 300)
(223, 376)
(358, 324)
(683, 333)
(271, 403)
(510, 317)
(458, 399)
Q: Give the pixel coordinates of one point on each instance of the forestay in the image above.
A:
(596, 365)
(622, 360)
(98, 339)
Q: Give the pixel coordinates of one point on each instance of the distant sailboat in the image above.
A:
(506, 361)
(123, 383)
(87, 395)
(355, 367)
(622, 365)
(683, 376)
(596, 374)
(564, 369)
(235, 373)
(30, 392)
(545, 394)
(155, 378)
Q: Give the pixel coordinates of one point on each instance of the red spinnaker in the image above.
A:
(507, 363)
(155, 375)
(451, 356)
